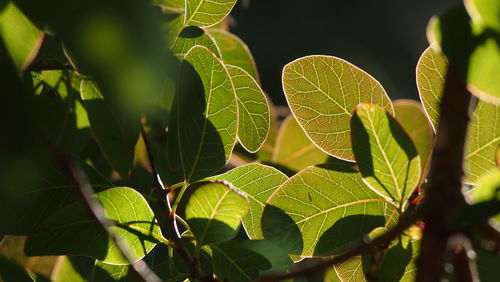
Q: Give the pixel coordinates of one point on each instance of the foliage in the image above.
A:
(126, 124)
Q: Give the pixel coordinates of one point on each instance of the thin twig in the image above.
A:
(365, 245)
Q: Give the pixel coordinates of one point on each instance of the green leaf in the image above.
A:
(322, 92)
(484, 12)
(109, 272)
(74, 268)
(323, 210)
(412, 118)
(483, 135)
(188, 38)
(214, 211)
(233, 262)
(258, 182)
(266, 151)
(234, 51)
(74, 231)
(253, 110)
(115, 129)
(11, 271)
(487, 265)
(173, 5)
(385, 154)
(204, 121)
(293, 149)
(21, 37)
(487, 189)
(205, 13)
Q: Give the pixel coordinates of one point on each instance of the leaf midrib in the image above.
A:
(212, 214)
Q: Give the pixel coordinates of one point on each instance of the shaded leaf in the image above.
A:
(115, 129)
(487, 265)
(11, 271)
(234, 51)
(205, 13)
(385, 154)
(204, 120)
(74, 231)
(258, 182)
(21, 37)
(253, 110)
(321, 211)
(189, 37)
(322, 92)
(484, 13)
(293, 149)
(214, 211)
(74, 268)
(266, 151)
(487, 189)
(412, 118)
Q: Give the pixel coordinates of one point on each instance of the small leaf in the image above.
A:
(234, 51)
(385, 154)
(322, 92)
(253, 110)
(258, 182)
(205, 13)
(213, 213)
(204, 119)
(74, 231)
(188, 38)
(115, 130)
(412, 118)
(321, 211)
(21, 37)
(293, 149)
(234, 262)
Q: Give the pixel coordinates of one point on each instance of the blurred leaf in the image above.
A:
(11, 271)
(205, 13)
(385, 154)
(322, 92)
(293, 149)
(21, 37)
(74, 231)
(321, 211)
(234, 51)
(487, 189)
(484, 12)
(213, 213)
(253, 110)
(174, 5)
(204, 120)
(487, 265)
(234, 262)
(75, 269)
(115, 130)
(258, 182)
(191, 36)
(411, 116)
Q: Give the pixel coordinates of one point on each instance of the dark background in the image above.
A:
(383, 37)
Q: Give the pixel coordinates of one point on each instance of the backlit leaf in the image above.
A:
(487, 189)
(234, 51)
(253, 110)
(385, 154)
(74, 231)
(205, 13)
(322, 92)
(21, 37)
(214, 212)
(73, 268)
(258, 182)
(293, 149)
(321, 211)
(266, 151)
(484, 12)
(189, 37)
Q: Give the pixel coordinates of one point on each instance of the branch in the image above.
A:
(463, 259)
(365, 245)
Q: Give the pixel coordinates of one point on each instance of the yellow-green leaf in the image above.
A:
(205, 13)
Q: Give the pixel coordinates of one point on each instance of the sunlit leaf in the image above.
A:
(190, 37)
(321, 211)
(484, 12)
(214, 211)
(385, 154)
(487, 189)
(204, 121)
(234, 51)
(74, 231)
(258, 182)
(293, 149)
(21, 37)
(322, 92)
(253, 110)
(74, 268)
(115, 129)
(205, 13)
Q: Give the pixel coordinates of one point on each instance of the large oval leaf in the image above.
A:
(205, 13)
(293, 149)
(322, 92)
(234, 51)
(214, 212)
(72, 230)
(191, 36)
(385, 154)
(205, 116)
(253, 110)
(258, 182)
(321, 211)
